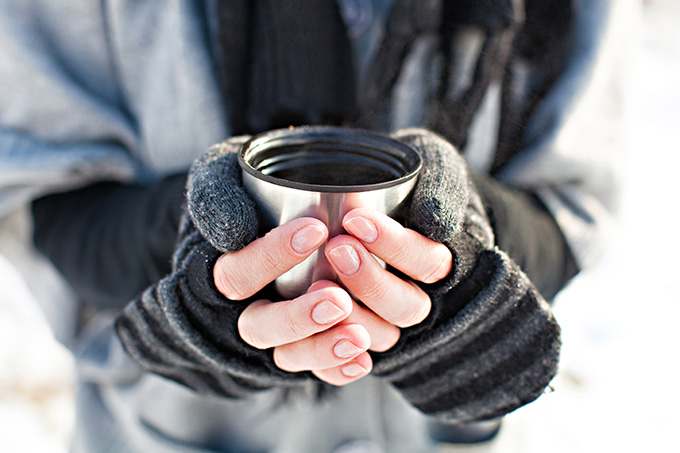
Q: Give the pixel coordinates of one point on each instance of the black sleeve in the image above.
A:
(543, 254)
(110, 240)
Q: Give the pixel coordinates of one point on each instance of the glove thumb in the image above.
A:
(217, 203)
(440, 197)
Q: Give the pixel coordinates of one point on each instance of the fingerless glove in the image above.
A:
(183, 328)
(490, 343)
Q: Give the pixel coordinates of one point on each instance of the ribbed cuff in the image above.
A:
(185, 330)
(493, 355)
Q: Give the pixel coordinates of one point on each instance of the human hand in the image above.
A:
(399, 301)
(490, 343)
(196, 327)
(323, 331)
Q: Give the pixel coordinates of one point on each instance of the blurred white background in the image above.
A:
(616, 386)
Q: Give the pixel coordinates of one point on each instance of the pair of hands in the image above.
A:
(325, 331)
(499, 355)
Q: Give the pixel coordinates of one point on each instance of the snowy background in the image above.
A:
(616, 386)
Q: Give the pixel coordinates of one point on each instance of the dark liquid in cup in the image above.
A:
(327, 166)
(335, 174)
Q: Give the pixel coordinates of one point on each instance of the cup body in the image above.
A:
(324, 172)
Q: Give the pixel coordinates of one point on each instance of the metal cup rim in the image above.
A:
(368, 140)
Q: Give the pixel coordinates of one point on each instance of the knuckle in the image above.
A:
(249, 334)
(437, 270)
(415, 313)
(320, 356)
(231, 285)
(376, 291)
(281, 360)
(330, 377)
(406, 318)
(292, 358)
(386, 340)
(292, 328)
(273, 260)
(399, 251)
(322, 376)
(377, 294)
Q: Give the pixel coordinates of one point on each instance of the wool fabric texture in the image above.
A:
(489, 345)
(277, 67)
(111, 240)
(217, 202)
(183, 329)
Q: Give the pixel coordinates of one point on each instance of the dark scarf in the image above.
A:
(289, 62)
(286, 62)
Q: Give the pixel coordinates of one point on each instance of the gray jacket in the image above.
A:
(127, 90)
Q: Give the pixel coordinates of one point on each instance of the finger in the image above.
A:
(412, 253)
(346, 373)
(399, 302)
(383, 334)
(264, 324)
(241, 274)
(330, 348)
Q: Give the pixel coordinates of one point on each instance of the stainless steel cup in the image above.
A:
(324, 172)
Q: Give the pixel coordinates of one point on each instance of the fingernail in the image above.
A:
(362, 229)
(353, 370)
(307, 238)
(326, 312)
(345, 259)
(345, 349)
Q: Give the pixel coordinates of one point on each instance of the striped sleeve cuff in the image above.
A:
(497, 353)
(185, 330)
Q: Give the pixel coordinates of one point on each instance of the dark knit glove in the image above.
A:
(217, 202)
(182, 328)
(490, 343)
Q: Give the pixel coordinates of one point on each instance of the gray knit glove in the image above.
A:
(182, 328)
(218, 205)
(490, 343)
